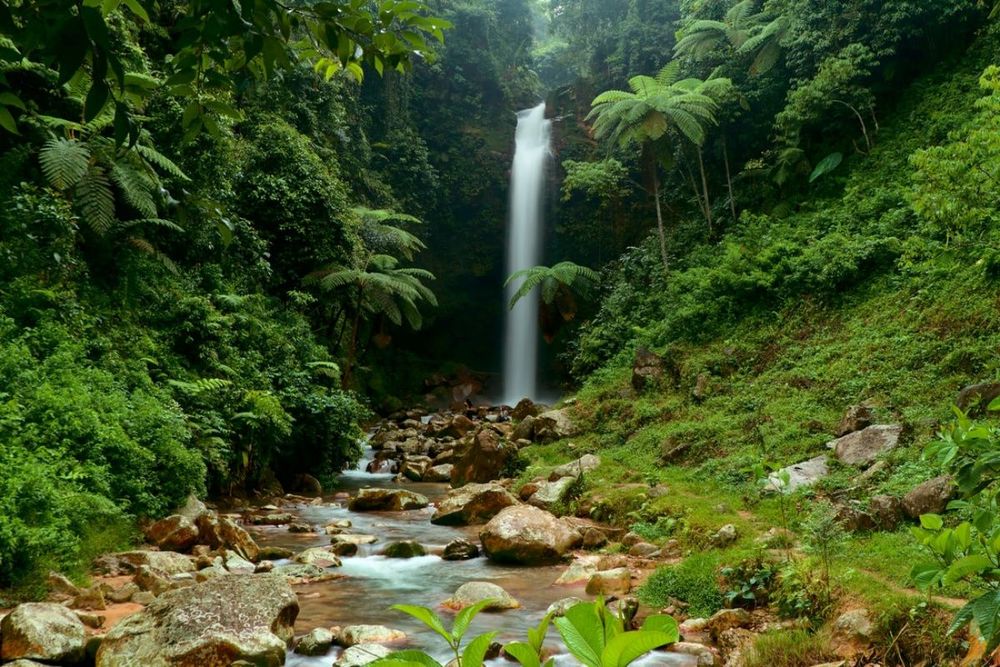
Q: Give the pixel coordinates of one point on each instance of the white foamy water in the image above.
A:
(527, 184)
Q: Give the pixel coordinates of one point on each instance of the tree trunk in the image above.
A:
(729, 180)
(659, 220)
(352, 346)
(704, 187)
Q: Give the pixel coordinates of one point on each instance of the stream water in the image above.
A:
(373, 583)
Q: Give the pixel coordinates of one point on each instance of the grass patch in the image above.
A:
(789, 648)
(693, 581)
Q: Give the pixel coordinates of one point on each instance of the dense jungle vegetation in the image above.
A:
(232, 234)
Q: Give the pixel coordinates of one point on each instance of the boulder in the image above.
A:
(362, 654)
(856, 418)
(886, 511)
(525, 408)
(213, 624)
(460, 549)
(701, 653)
(216, 531)
(174, 533)
(356, 540)
(485, 459)
(728, 619)
(554, 425)
(560, 607)
(61, 587)
(43, 631)
(526, 535)
(525, 429)
(352, 635)
(318, 556)
(317, 642)
(90, 598)
(415, 467)
(647, 369)
(307, 484)
(300, 528)
(581, 466)
(167, 562)
(387, 500)
(579, 571)
(855, 624)
(725, 536)
(861, 448)
(800, 475)
(237, 564)
(472, 504)
(344, 548)
(457, 427)
(297, 573)
(931, 497)
(551, 494)
(594, 538)
(643, 550)
(274, 553)
(272, 519)
(439, 473)
(610, 582)
(192, 508)
(975, 398)
(404, 549)
(474, 592)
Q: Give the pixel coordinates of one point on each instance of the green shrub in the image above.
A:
(693, 581)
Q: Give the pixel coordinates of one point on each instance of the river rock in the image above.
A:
(237, 564)
(297, 573)
(356, 540)
(387, 500)
(580, 570)
(594, 538)
(318, 556)
(727, 619)
(275, 553)
(415, 467)
(460, 549)
(216, 623)
(473, 592)
(485, 459)
(701, 653)
(352, 635)
(216, 531)
(317, 642)
(42, 631)
(362, 654)
(581, 466)
(404, 549)
(472, 504)
(610, 582)
(853, 625)
(272, 519)
(526, 535)
(560, 607)
(439, 473)
(192, 507)
(167, 562)
(861, 448)
(931, 497)
(174, 533)
(549, 495)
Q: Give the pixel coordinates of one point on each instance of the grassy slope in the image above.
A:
(779, 382)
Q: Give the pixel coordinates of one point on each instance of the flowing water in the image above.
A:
(373, 583)
(527, 182)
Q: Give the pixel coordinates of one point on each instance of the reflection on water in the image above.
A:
(374, 583)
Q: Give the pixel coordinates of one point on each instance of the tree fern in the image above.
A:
(136, 186)
(64, 162)
(564, 275)
(161, 161)
(96, 200)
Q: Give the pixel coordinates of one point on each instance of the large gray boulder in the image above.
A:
(554, 425)
(551, 494)
(387, 500)
(800, 475)
(42, 631)
(174, 533)
(167, 562)
(212, 624)
(474, 592)
(526, 535)
(861, 448)
(581, 466)
(472, 504)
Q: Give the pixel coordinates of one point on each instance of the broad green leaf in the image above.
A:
(465, 616)
(662, 623)
(407, 658)
(926, 575)
(475, 653)
(523, 653)
(7, 121)
(931, 521)
(966, 566)
(583, 633)
(427, 617)
(628, 646)
(826, 165)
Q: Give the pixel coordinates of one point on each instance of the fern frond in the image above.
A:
(161, 161)
(147, 248)
(96, 200)
(64, 162)
(136, 187)
(159, 222)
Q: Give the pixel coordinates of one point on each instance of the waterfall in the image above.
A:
(527, 181)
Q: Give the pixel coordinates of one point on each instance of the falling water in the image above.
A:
(527, 180)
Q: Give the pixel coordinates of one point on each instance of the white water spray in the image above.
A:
(527, 183)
